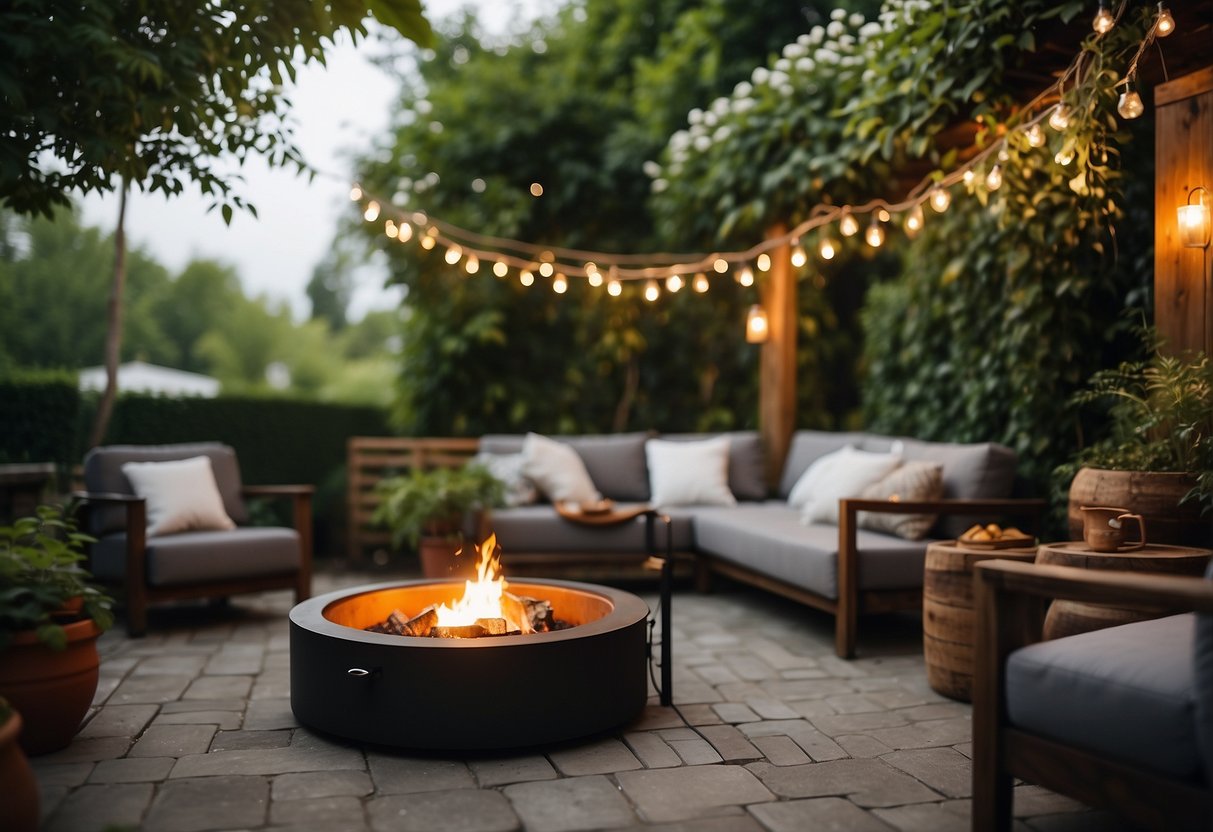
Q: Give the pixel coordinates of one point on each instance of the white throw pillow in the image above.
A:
(803, 491)
(558, 470)
(508, 469)
(846, 476)
(689, 473)
(181, 495)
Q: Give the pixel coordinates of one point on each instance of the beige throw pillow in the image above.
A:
(181, 495)
(911, 482)
(558, 470)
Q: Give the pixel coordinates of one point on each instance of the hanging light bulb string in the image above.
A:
(528, 257)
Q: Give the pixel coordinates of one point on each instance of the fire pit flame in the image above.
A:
(485, 598)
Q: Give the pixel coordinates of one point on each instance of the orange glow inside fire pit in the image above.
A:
(485, 597)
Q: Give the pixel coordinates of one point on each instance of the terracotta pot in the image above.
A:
(51, 689)
(439, 559)
(17, 780)
(1152, 494)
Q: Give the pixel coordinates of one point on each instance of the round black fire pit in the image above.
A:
(476, 693)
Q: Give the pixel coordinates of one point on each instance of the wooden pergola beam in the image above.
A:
(777, 381)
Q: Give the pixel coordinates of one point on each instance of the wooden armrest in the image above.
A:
(105, 497)
(1101, 587)
(276, 490)
(1007, 506)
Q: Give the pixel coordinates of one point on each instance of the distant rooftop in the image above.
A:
(141, 377)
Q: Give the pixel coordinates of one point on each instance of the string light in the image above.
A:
(1063, 157)
(500, 268)
(546, 269)
(764, 262)
(994, 178)
(614, 289)
(1059, 119)
(827, 249)
(875, 233)
(594, 278)
(428, 241)
(883, 214)
(849, 226)
(673, 283)
(472, 265)
(1165, 24)
(356, 193)
(914, 222)
(525, 277)
(1130, 105)
(968, 177)
(756, 327)
(745, 276)
(390, 229)
(1103, 21)
(404, 232)
(940, 199)
(536, 189)
(720, 266)
(701, 283)
(560, 284)
(372, 211)
(453, 254)
(651, 291)
(1036, 136)
(798, 257)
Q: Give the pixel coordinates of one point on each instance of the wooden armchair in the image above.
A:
(191, 564)
(1119, 718)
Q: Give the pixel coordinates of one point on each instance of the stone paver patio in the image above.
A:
(193, 730)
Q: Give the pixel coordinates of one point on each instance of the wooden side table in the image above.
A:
(948, 622)
(1066, 618)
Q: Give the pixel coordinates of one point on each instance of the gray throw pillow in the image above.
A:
(911, 482)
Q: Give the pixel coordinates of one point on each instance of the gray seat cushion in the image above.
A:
(747, 461)
(538, 529)
(769, 538)
(615, 462)
(1202, 670)
(1124, 692)
(103, 473)
(202, 557)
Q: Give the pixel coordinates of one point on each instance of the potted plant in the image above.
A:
(50, 618)
(427, 508)
(16, 778)
(1157, 459)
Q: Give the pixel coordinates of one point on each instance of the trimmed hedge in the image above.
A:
(40, 418)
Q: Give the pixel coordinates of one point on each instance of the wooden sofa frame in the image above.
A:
(851, 601)
(138, 595)
(1010, 599)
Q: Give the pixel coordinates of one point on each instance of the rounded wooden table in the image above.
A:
(947, 612)
(1067, 618)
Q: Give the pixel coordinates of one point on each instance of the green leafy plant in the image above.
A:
(1161, 419)
(432, 503)
(42, 581)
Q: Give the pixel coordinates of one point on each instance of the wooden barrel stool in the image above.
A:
(1067, 618)
(947, 613)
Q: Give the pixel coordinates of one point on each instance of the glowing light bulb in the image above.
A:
(472, 265)
(1165, 24)
(674, 282)
(1103, 20)
(1063, 157)
(420, 219)
(875, 233)
(701, 283)
(372, 211)
(404, 233)
(994, 178)
(546, 269)
(1130, 104)
(428, 242)
(355, 193)
(614, 289)
(940, 199)
(560, 284)
(799, 256)
(453, 254)
(849, 226)
(500, 268)
(756, 326)
(536, 189)
(1036, 136)
(594, 278)
(1059, 119)
(652, 291)
(745, 276)
(720, 266)
(968, 177)
(525, 277)
(914, 221)
(590, 267)
(1194, 220)
(390, 229)
(883, 214)
(827, 249)
(763, 262)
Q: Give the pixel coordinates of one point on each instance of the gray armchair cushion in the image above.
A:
(539, 529)
(103, 473)
(1124, 692)
(747, 461)
(203, 557)
(615, 462)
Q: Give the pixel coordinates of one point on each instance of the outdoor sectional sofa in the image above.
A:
(841, 569)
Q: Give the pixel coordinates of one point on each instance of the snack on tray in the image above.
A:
(990, 533)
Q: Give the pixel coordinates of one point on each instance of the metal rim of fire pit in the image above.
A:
(467, 694)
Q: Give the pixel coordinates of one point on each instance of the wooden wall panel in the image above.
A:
(1183, 277)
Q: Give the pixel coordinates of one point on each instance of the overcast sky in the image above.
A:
(337, 110)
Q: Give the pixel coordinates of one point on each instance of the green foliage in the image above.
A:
(154, 93)
(40, 419)
(433, 502)
(40, 574)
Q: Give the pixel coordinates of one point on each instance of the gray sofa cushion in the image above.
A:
(615, 462)
(1125, 692)
(1202, 669)
(747, 461)
(539, 529)
(985, 470)
(770, 539)
(103, 473)
(198, 557)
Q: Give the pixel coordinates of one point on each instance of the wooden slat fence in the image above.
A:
(372, 458)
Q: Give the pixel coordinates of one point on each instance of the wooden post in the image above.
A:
(1183, 277)
(777, 388)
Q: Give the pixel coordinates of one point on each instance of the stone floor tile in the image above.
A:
(738, 691)
(924, 817)
(854, 723)
(89, 750)
(223, 720)
(749, 667)
(118, 721)
(735, 712)
(169, 664)
(732, 822)
(686, 793)
(269, 715)
(90, 808)
(327, 813)
(816, 744)
(789, 690)
(867, 783)
(694, 694)
(771, 708)
(697, 751)
(309, 784)
(1030, 801)
(238, 740)
(463, 810)
(943, 769)
(50, 799)
(601, 757)
(821, 813)
(716, 674)
(965, 748)
(776, 655)
(854, 703)
(861, 745)
(678, 734)
(802, 673)
(896, 698)
(1080, 822)
(654, 717)
(132, 770)
(730, 743)
(699, 715)
(272, 684)
(107, 683)
(219, 687)
(651, 749)
(193, 705)
(267, 761)
(203, 803)
(173, 741)
(236, 660)
(149, 689)
(812, 708)
(927, 734)
(781, 751)
(569, 804)
(398, 774)
(500, 771)
(937, 710)
(60, 774)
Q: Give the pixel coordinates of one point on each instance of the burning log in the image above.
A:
(483, 627)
